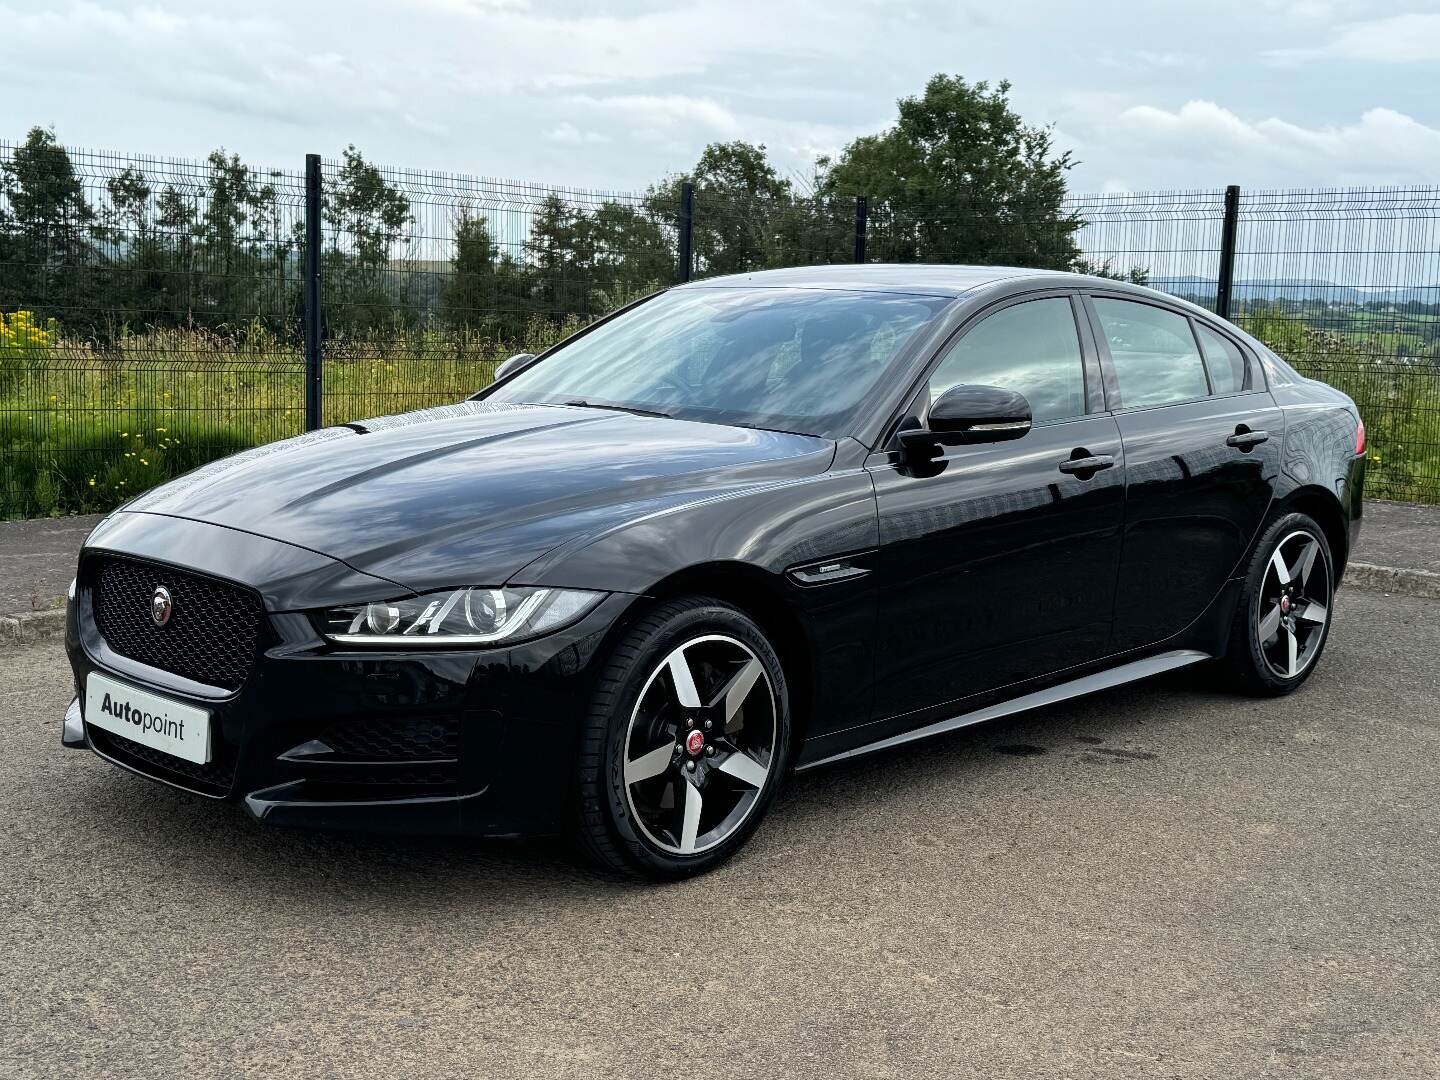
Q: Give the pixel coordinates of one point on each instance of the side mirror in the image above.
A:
(967, 415)
(512, 364)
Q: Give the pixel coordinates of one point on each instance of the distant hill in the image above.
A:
(1296, 289)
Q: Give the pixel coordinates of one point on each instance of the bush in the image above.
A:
(24, 344)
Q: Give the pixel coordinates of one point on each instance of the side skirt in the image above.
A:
(1088, 684)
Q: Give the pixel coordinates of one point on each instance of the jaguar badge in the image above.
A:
(161, 606)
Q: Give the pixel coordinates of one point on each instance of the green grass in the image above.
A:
(53, 464)
(82, 430)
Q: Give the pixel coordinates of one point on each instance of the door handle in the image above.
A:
(1091, 464)
(1244, 438)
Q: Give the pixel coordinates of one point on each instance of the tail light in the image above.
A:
(1360, 438)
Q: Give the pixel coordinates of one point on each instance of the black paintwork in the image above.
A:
(899, 587)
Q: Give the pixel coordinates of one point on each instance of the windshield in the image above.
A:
(790, 359)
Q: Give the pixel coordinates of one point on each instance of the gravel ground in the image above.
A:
(37, 560)
(1160, 881)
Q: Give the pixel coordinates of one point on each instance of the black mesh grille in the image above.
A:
(392, 740)
(421, 776)
(213, 628)
(214, 777)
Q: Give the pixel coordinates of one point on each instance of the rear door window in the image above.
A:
(1153, 352)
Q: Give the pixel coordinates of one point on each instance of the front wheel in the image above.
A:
(685, 742)
(1283, 619)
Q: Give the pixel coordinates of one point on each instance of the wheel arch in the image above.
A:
(761, 595)
(1325, 508)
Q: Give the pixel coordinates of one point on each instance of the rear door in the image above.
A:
(998, 561)
(1202, 443)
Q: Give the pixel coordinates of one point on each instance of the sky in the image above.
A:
(614, 94)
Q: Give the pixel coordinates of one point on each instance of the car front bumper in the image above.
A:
(473, 742)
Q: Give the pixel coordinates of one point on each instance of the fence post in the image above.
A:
(311, 293)
(687, 229)
(1227, 251)
(862, 206)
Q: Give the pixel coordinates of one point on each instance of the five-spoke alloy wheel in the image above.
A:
(1293, 604)
(700, 744)
(1284, 616)
(685, 743)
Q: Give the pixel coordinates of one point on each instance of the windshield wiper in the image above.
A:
(619, 408)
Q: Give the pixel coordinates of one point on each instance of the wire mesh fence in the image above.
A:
(152, 311)
(1345, 284)
(430, 279)
(1168, 240)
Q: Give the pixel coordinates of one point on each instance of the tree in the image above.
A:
(366, 217)
(585, 263)
(44, 244)
(235, 243)
(138, 293)
(1136, 275)
(960, 177)
(558, 253)
(630, 253)
(741, 208)
(127, 216)
(484, 288)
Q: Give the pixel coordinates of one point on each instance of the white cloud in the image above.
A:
(1151, 60)
(512, 46)
(1195, 122)
(615, 93)
(249, 65)
(650, 111)
(568, 134)
(1398, 39)
(1219, 146)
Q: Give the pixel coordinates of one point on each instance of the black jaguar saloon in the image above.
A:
(745, 526)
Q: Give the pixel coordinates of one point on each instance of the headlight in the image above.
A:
(458, 617)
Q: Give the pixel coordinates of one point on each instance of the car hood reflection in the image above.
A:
(472, 493)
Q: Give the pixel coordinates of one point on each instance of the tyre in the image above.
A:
(1283, 617)
(685, 743)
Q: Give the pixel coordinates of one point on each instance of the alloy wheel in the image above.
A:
(1293, 606)
(700, 744)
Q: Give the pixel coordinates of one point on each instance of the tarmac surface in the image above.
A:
(1403, 535)
(1165, 880)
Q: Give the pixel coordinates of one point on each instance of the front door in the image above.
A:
(1202, 449)
(998, 561)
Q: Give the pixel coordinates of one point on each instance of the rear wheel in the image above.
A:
(685, 742)
(1283, 619)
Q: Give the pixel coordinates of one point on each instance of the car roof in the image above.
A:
(925, 278)
(938, 279)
